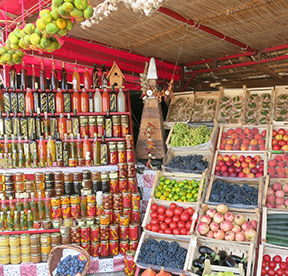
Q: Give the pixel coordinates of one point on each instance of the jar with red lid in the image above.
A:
(124, 232)
(131, 172)
(66, 211)
(116, 216)
(94, 233)
(86, 246)
(133, 245)
(133, 231)
(104, 232)
(124, 247)
(121, 156)
(105, 219)
(132, 185)
(117, 202)
(56, 213)
(95, 249)
(129, 142)
(123, 185)
(75, 234)
(122, 170)
(114, 248)
(135, 200)
(127, 212)
(130, 155)
(107, 201)
(129, 264)
(104, 248)
(91, 210)
(136, 216)
(126, 199)
(114, 232)
(75, 211)
(85, 233)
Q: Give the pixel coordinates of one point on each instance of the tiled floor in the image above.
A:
(120, 273)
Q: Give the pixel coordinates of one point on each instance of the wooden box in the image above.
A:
(268, 183)
(210, 145)
(282, 91)
(251, 182)
(183, 114)
(249, 214)
(272, 251)
(144, 237)
(276, 127)
(264, 140)
(277, 169)
(227, 96)
(181, 176)
(165, 203)
(237, 153)
(207, 155)
(241, 250)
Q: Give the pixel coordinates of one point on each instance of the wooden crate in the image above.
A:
(244, 153)
(280, 90)
(261, 128)
(265, 212)
(249, 214)
(268, 183)
(181, 176)
(272, 251)
(230, 93)
(259, 91)
(275, 127)
(165, 203)
(187, 96)
(210, 145)
(144, 237)
(241, 250)
(270, 171)
(208, 269)
(207, 155)
(240, 182)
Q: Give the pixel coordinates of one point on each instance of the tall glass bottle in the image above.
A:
(23, 221)
(47, 206)
(76, 79)
(91, 103)
(51, 147)
(12, 206)
(49, 158)
(53, 125)
(30, 219)
(13, 143)
(84, 101)
(10, 221)
(87, 79)
(66, 151)
(79, 147)
(95, 77)
(24, 125)
(16, 123)
(32, 144)
(108, 125)
(59, 101)
(23, 76)
(16, 221)
(104, 151)
(41, 206)
(121, 105)
(54, 77)
(31, 125)
(97, 101)
(104, 81)
(29, 101)
(2, 130)
(15, 160)
(61, 126)
(38, 124)
(13, 78)
(46, 126)
(105, 101)
(72, 148)
(59, 148)
(35, 159)
(113, 100)
(20, 144)
(75, 123)
(76, 101)
(33, 78)
(42, 77)
(63, 77)
(69, 129)
(26, 146)
(2, 221)
(42, 161)
(67, 100)
(86, 148)
(34, 207)
(96, 151)
(42, 146)
(8, 125)
(7, 145)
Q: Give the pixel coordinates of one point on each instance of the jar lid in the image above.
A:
(25, 245)
(130, 252)
(84, 226)
(46, 220)
(94, 226)
(2, 247)
(38, 173)
(35, 255)
(24, 236)
(15, 256)
(55, 235)
(45, 245)
(14, 237)
(58, 172)
(4, 237)
(35, 236)
(75, 227)
(19, 173)
(45, 235)
(65, 236)
(4, 256)
(37, 245)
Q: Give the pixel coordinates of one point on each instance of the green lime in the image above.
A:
(29, 28)
(52, 29)
(13, 38)
(185, 181)
(174, 181)
(88, 12)
(167, 181)
(57, 3)
(35, 38)
(158, 194)
(162, 178)
(192, 199)
(40, 24)
(81, 4)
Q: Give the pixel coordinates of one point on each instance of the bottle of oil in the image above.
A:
(104, 151)
(58, 148)
(31, 125)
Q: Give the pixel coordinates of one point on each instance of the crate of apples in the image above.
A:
(171, 218)
(243, 139)
(277, 165)
(242, 166)
(279, 139)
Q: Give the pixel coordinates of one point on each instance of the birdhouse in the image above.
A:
(115, 76)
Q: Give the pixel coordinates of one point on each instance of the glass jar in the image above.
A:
(47, 224)
(25, 249)
(35, 239)
(45, 238)
(35, 249)
(25, 258)
(46, 248)
(14, 240)
(39, 185)
(24, 239)
(44, 257)
(15, 259)
(65, 239)
(36, 258)
(55, 238)
(56, 223)
(55, 201)
(29, 186)
(64, 230)
(4, 250)
(4, 240)
(15, 250)
(68, 222)
(19, 187)
(4, 259)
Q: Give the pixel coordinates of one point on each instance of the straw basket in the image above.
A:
(55, 256)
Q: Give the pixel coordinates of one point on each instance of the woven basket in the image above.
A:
(55, 256)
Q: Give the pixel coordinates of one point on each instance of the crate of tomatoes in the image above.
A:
(174, 219)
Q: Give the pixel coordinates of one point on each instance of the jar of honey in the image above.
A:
(14, 240)
(65, 239)
(4, 240)
(4, 259)
(45, 248)
(39, 176)
(25, 258)
(35, 239)
(15, 259)
(24, 239)
(25, 249)
(4, 250)
(45, 238)
(36, 258)
(44, 257)
(55, 238)
(35, 249)
(15, 250)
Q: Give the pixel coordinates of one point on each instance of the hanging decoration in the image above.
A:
(108, 7)
(148, 132)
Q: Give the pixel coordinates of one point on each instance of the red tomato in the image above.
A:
(161, 209)
(178, 211)
(283, 265)
(154, 207)
(176, 231)
(155, 228)
(148, 227)
(154, 214)
(169, 212)
(161, 231)
(267, 258)
(154, 221)
(185, 216)
(277, 259)
(168, 231)
(190, 211)
(286, 260)
(162, 217)
(286, 271)
(181, 224)
(168, 220)
(176, 218)
(272, 264)
(163, 226)
(279, 272)
(263, 272)
(173, 205)
(173, 225)
(271, 272)
(188, 225)
(183, 231)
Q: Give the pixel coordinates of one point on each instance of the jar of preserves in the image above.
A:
(45, 248)
(130, 155)
(37, 224)
(57, 223)
(45, 238)
(114, 248)
(58, 176)
(129, 142)
(124, 232)
(124, 220)
(15, 259)
(104, 248)
(44, 257)
(19, 177)
(35, 249)
(64, 230)
(75, 211)
(91, 199)
(136, 216)
(135, 200)
(75, 234)
(85, 233)
(131, 172)
(124, 247)
(68, 222)
(25, 249)
(74, 199)
(117, 202)
(116, 216)
(94, 233)
(36, 258)
(77, 176)
(55, 201)
(35, 239)
(130, 266)
(131, 182)
(19, 187)
(65, 239)
(104, 232)
(104, 220)
(90, 221)
(4, 240)
(107, 201)
(86, 246)
(25, 258)
(15, 250)
(95, 249)
(123, 185)
(65, 200)
(4, 259)
(55, 238)
(4, 250)
(14, 240)
(39, 185)
(113, 232)
(80, 221)
(113, 160)
(126, 199)
(47, 223)
(122, 169)
(29, 186)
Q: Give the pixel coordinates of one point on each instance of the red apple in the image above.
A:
(234, 136)
(250, 175)
(281, 143)
(236, 147)
(246, 130)
(278, 137)
(241, 158)
(255, 147)
(229, 163)
(254, 170)
(261, 169)
(246, 170)
(258, 174)
(278, 157)
(230, 131)
(244, 147)
(254, 130)
(252, 164)
(274, 142)
(217, 167)
(276, 147)
(244, 165)
(230, 141)
(228, 147)
(242, 175)
(248, 159)
(263, 133)
(238, 130)
(280, 170)
(226, 157)
(262, 147)
(257, 158)
(258, 136)
(238, 141)
(238, 169)
(284, 148)
(237, 164)
(233, 174)
(271, 170)
(261, 141)
(254, 142)
(233, 157)
(222, 146)
(219, 157)
(225, 174)
(282, 164)
(231, 169)
(285, 157)
(281, 131)
(242, 136)
(246, 141)
(280, 175)
(285, 137)
(224, 135)
(224, 168)
(250, 136)
(221, 162)
(272, 163)
(274, 133)
(261, 163)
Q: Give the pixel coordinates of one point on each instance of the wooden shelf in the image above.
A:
(116, 139)
(33, 231)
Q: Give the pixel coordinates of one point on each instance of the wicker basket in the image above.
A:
(55, 256)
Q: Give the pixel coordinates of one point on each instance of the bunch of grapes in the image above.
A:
(185, 136)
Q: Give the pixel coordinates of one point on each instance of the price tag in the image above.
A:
(195, 216)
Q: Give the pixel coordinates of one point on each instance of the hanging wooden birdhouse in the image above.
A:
(115, 76)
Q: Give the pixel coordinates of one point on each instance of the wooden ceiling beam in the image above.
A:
(270, 72)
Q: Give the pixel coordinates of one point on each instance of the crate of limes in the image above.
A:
(179, 187)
